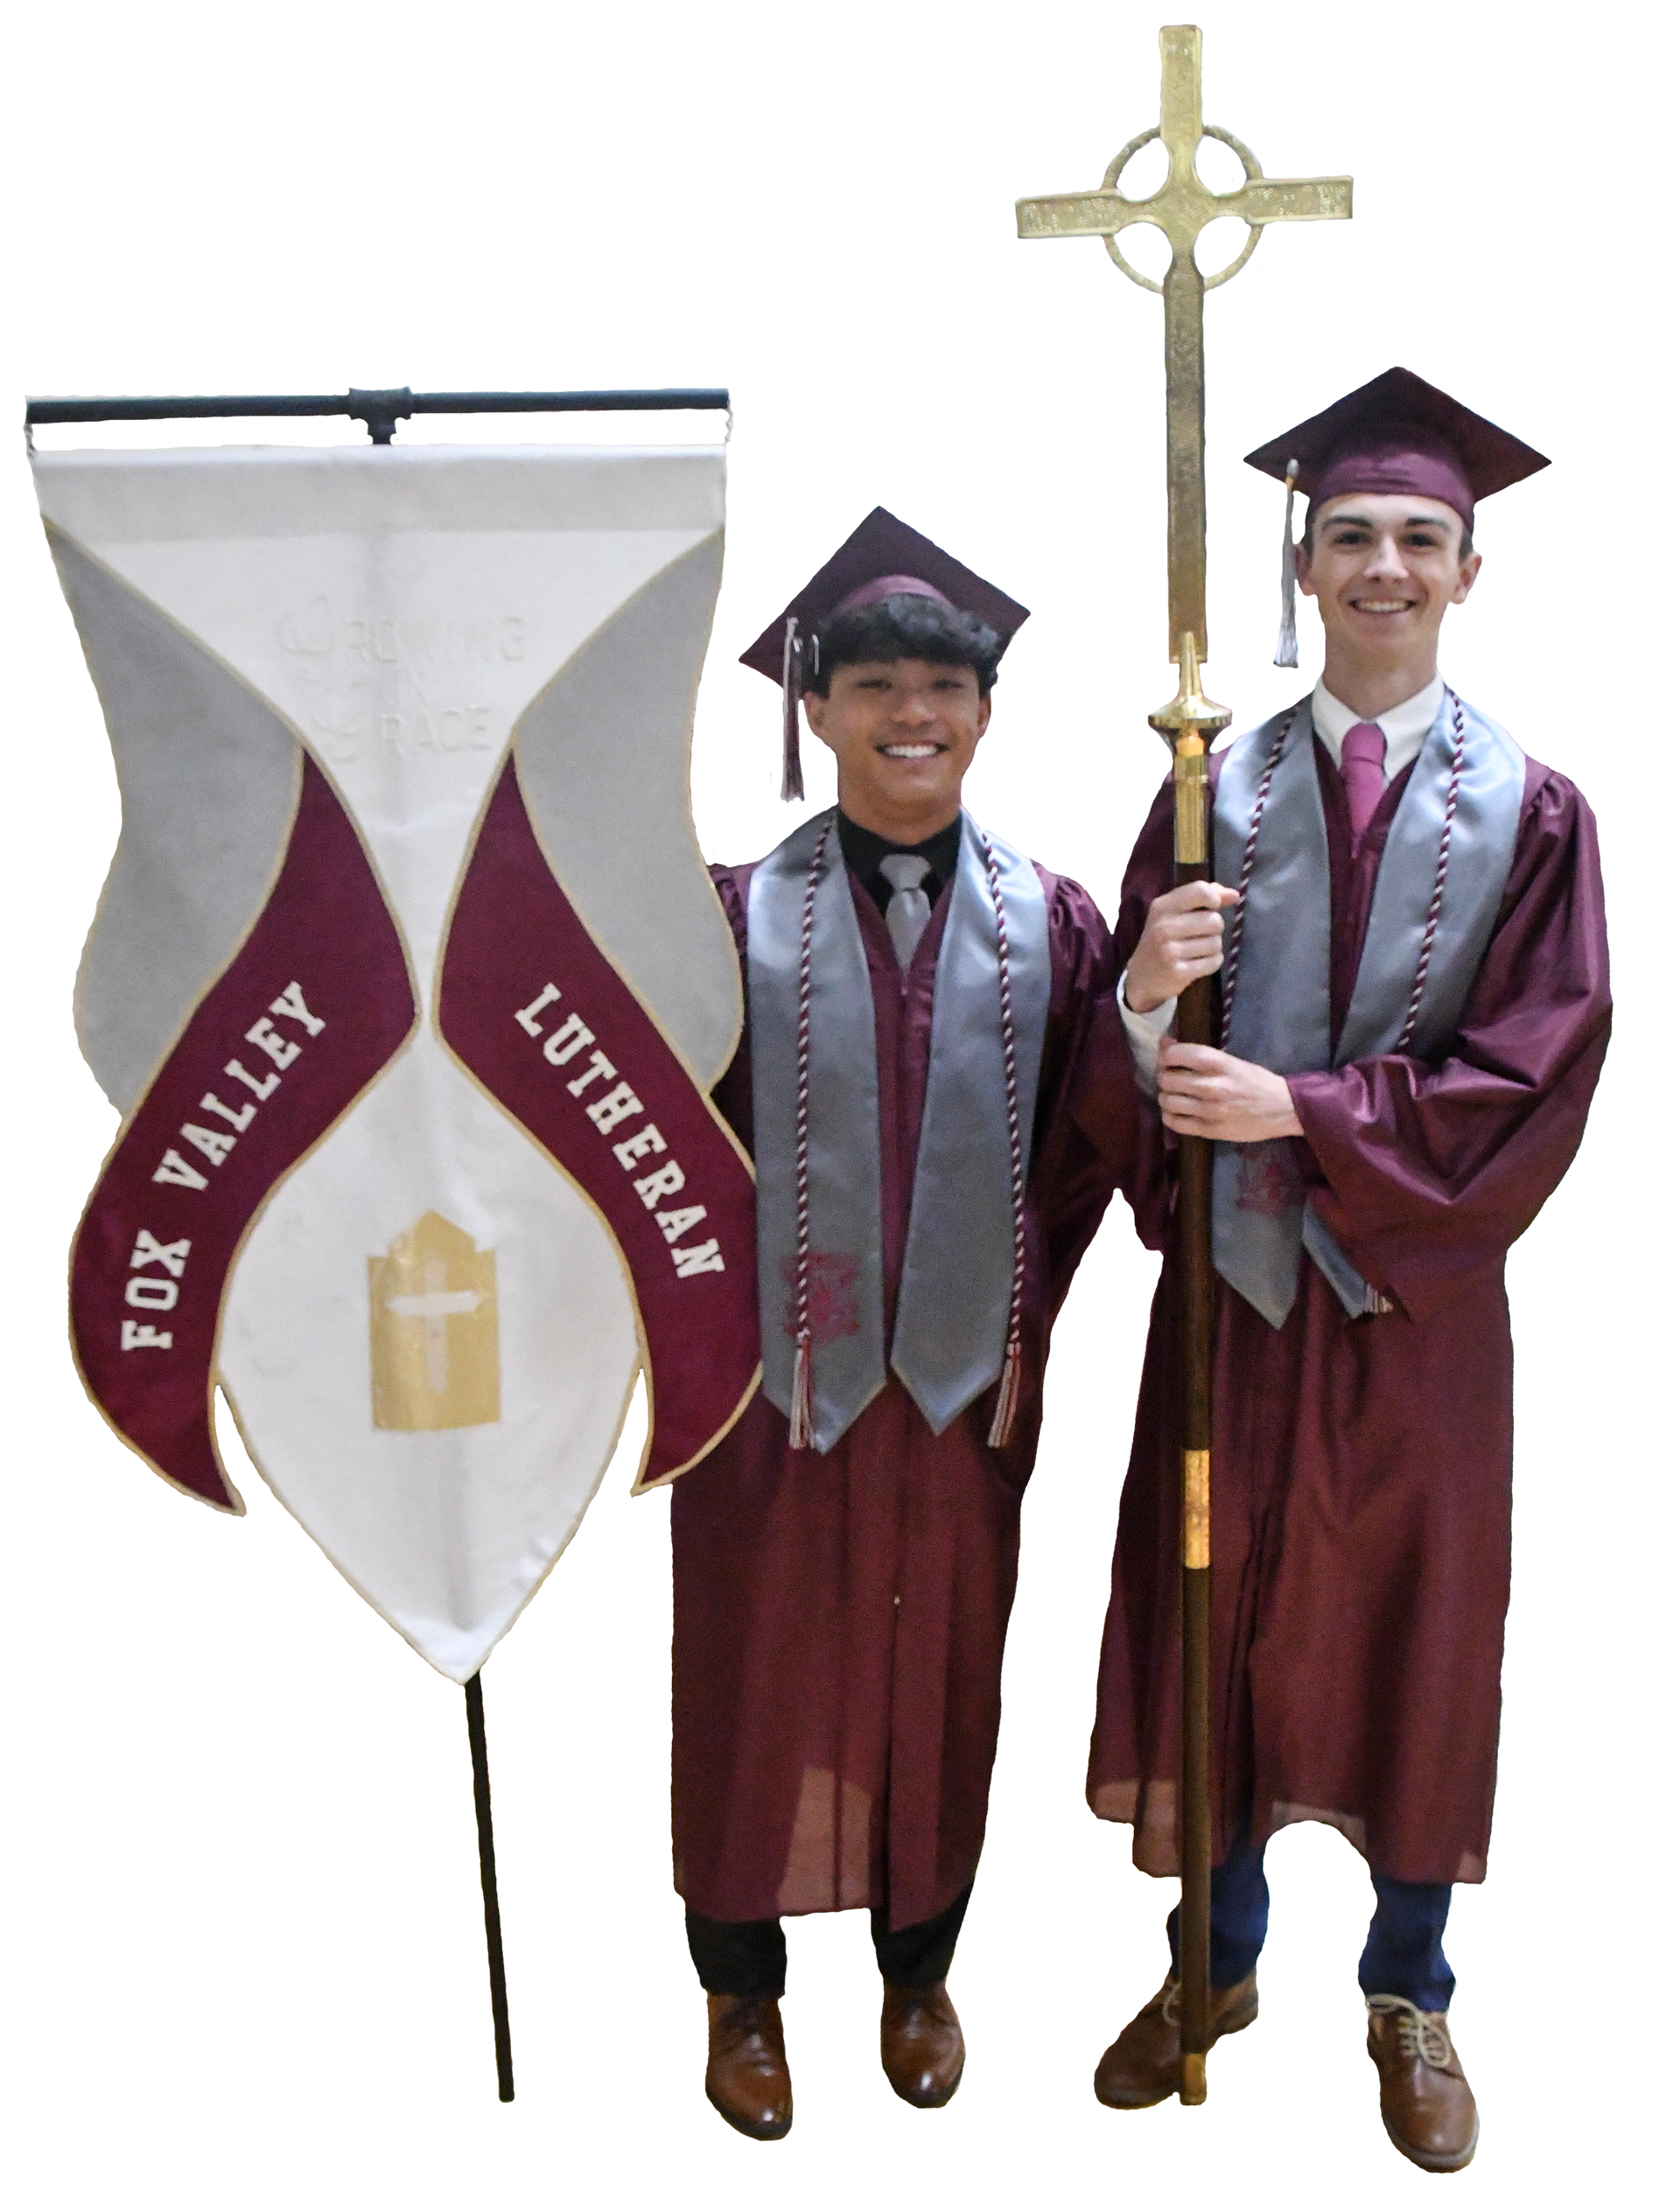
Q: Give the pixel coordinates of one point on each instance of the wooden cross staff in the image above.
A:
(1181, 210)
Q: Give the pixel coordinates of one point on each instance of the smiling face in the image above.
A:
(903, 733)
(1384, 570)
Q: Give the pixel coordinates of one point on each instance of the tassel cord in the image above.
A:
(793, 688)
(1288, 651)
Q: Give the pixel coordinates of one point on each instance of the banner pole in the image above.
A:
(487, 1874)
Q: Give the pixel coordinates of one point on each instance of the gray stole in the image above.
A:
(1279, 1013)
(953, 1297)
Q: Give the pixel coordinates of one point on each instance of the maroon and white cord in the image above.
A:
(1432, 923)
(800, 1412)
(800, 1420)
(1009, 1386)
(1249, 850)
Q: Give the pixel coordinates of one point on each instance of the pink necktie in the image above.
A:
(1363, 749)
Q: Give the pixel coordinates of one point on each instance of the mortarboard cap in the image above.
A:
(1394, 436)
(881, 559)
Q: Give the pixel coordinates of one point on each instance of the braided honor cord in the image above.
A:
(1432, 921)
(1249, 850)
(1009, 1388)
(799, 1416)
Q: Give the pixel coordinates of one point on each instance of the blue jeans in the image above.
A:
(1403, 1954)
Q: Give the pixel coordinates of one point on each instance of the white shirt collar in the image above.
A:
(1404, 728)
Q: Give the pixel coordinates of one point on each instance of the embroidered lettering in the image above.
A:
(175, 1171)
(171, 1254)
(621, 1101)
(675, 1223)
(690, 1261)
(274, 1045)
(1268, 1180)
(566, 1040)
(597, 1067)
(237, 1119)
(215, 1145)
(611, 1107)
(261, 1089)
(668, 1179)
(527, 1017)
(289, 1003)
(647, 1142)
(833, 1299)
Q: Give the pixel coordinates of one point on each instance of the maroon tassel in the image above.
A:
(793, 688)
(1009, 1396)
(799, 1416)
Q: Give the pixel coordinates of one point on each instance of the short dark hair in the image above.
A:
(1466, 547)
(907, 626)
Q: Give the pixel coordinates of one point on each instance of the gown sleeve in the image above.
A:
(1118, 1118)
(1429, 1173)
(734, 1094)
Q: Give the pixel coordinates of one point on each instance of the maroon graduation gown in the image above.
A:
(1362, 1467)
(839, 1619)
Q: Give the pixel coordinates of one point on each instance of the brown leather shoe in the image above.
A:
(747, 2066)
(1141, 2067)
(921, 2044)
(1428, 2108)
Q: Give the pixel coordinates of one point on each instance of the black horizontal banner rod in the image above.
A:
(379, 409)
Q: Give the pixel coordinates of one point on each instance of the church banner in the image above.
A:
(411, 987)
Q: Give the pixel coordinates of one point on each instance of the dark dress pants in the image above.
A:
(749, 1960)
(1403, 1954)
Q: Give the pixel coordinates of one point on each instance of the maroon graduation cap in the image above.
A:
(1394, 436)
(881, 559)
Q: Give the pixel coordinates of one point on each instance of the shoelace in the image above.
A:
(1170, 2001)
(1422, 2036)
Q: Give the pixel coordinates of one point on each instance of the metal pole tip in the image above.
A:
(1192, 2079)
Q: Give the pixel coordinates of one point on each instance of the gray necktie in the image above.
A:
(908, 910)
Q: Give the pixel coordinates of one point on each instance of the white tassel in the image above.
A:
(1009, 1396)
(1287, 653)
(793, 685)
(799, 1416)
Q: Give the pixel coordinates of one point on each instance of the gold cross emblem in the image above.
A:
(437, 1361)
(1181, 210)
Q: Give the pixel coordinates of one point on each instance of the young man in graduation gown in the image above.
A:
(919, 997)
(1416, 1006)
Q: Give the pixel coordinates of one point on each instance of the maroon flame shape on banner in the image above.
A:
(537, 1013)
(316, 1002)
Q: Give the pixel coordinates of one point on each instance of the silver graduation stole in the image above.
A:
(1438, 888)
(954, 1297)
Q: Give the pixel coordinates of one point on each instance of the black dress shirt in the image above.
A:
(863, 851)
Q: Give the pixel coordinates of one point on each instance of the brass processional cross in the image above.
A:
(1181, 210)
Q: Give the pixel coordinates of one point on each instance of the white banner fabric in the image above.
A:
(391, 614)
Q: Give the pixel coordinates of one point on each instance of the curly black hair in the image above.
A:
(907, 626)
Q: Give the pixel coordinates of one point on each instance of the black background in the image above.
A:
(247, 1803)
